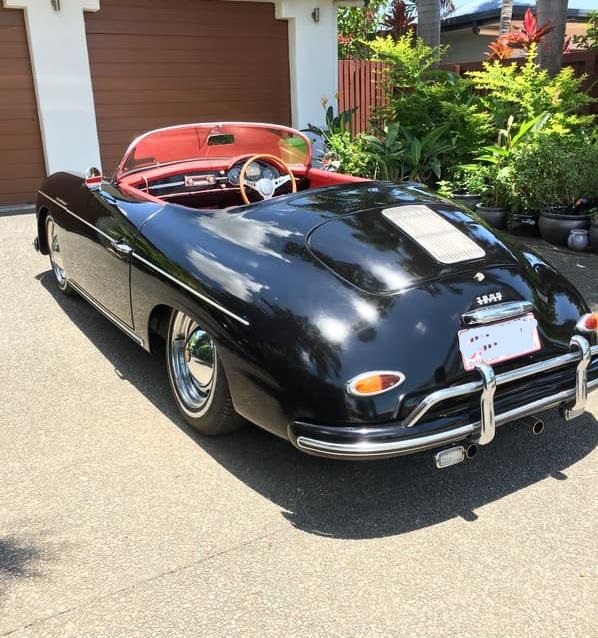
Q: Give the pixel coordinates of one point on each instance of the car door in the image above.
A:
(100, 249)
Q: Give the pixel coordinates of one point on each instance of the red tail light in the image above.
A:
(588, 323)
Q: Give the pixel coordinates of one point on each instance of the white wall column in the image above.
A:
(62, 80)
(313, 57)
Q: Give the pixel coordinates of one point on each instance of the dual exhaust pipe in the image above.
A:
(457, 454)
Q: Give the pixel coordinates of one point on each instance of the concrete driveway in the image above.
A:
(116, 520)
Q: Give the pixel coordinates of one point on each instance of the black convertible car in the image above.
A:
(358, 319)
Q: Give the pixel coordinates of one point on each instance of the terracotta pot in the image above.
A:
(594, 235)
(468, 200)
(495, 216)
(555, 228)
(523, 224)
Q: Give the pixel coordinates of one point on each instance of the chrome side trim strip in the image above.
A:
(506, 377)
(153, 267)
(368, 449)
(497, 312)
(199, 295)
(114, 319)
(70, 212)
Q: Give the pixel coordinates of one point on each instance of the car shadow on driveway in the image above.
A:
(342, 499)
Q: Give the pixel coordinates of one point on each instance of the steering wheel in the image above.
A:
(264, 187)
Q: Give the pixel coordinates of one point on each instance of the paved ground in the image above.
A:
(115, 520)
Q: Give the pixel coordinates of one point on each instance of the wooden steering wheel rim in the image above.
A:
(272, 159)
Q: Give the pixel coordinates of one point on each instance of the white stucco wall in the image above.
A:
(465, 46)
(313, 58)
(62, 82)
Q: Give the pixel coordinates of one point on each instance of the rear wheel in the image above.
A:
(197, 378)
(56, 259)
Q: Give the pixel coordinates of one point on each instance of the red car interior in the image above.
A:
(198, 165)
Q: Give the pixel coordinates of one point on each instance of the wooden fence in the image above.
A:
(359, 82)
(359, 86)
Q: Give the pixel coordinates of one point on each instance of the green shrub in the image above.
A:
(527, 91)
(554, 169)
(425, 99)
(352, 155)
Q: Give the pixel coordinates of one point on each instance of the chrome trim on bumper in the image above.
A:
(487, 416)
(581, 377)
(581, 353)
(365, 449)
(506, 377)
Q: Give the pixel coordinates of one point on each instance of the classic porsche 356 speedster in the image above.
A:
(359, 319)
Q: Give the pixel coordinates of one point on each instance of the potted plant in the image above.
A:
(555, 174)
(467, 186)
(497, 196)
(495, 203)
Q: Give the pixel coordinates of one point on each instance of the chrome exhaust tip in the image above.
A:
(535, 425)
(471, 450)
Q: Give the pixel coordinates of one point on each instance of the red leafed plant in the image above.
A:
(499, 50)
(529, 33)
(399, 18)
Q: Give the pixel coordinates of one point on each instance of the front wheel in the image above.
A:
(197, 378)
(56, 257)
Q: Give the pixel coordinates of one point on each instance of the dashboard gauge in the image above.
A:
(254, 171)
(270, 172)
(234, 175)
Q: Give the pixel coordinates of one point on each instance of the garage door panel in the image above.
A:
(19, 190)
(179, 29)
(209, 52)
(165, 96)
(21, 156)
(154, 13)
(17, 111)
(22, 170)
(202, 74)
(16, 49)
(23, 97)
(16, 65)
(158, 63)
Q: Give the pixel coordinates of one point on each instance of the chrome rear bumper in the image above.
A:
(481, 431)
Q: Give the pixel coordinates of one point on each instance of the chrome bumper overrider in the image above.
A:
(481, 431)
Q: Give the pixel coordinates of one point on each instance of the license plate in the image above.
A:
(499, 341)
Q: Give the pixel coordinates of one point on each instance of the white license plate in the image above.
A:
(499, 341)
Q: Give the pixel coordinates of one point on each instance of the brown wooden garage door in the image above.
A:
(162, 62)
(21, 157)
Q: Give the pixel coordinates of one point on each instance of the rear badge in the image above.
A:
(479, 276)
(492, 297)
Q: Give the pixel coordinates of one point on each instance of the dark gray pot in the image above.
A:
(523, 224)
(468, 200)
(495, 216)
(555, 228)
(594, 235)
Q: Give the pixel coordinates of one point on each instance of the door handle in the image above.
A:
(122, 248)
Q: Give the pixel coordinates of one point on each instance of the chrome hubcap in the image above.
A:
(192, 362)
(55, 254)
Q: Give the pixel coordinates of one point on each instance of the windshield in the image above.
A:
(215, 142)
